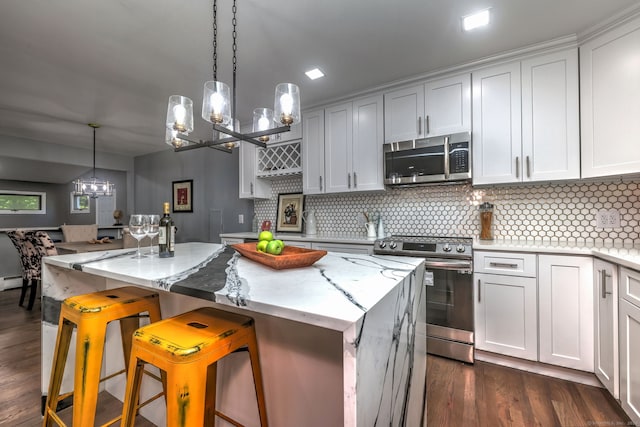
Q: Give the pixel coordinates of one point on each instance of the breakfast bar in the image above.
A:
(338, 342)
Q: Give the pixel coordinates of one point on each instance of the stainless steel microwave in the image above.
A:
(428, 160)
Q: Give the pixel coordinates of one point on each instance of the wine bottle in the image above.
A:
(166, 235)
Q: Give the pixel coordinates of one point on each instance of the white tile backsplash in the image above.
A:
(555, 212)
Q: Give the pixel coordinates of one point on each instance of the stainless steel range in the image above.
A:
(448, 279)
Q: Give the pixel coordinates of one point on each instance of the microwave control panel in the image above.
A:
(459, 157)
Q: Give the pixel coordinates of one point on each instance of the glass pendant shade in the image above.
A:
(171, 138)
(180, 114)
(93, 187)
(287, 104)
(262, 120)
(216, 103)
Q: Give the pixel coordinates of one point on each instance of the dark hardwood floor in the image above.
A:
(458, 394)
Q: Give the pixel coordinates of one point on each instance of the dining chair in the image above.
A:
(79, 233)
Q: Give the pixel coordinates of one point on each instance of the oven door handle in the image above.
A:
(448, 264)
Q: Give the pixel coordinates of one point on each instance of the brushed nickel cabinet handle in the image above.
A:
(427, 124)
(479, 291)
(517, 166)
(320, 182)
(251, 188)
(348, 180)
(528, 167)
(355, 180)
(503, 265)
(419, 126)
(604, 283)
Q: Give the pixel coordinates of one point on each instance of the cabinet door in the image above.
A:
(550, 129)
(605, 278)
(403, 112)
(251, 187)
(565, 287)
(629, 357)
(367, 159)
(506, 315)
(343, 247)
(448, 105)
(497, 140)
(609, 106)
(338, 143)
(312, 150)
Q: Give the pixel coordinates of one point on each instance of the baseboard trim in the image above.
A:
(10, 282)
(574, 375)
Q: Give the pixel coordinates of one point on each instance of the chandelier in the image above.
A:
(220, 110)
(92, 187)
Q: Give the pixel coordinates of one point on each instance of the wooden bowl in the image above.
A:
(291, 256)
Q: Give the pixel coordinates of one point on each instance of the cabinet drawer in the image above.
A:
(629, 286)
(505, 263)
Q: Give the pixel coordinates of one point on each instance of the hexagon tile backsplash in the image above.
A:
(553, 212)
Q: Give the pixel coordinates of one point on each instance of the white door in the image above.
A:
(403, 112)
(338, 145)
(368, 136)
(506, 315)
(565, 299)
(312, 150)
(497, 138)
(605, 277)
(448, 105)
(609, 94)
(550, 117)
(629, 359)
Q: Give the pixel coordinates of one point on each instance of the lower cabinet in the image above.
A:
(565, 310)
(629, 328)
(606, 362)
(506, 315)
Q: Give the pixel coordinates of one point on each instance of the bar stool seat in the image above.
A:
(187, 347)
(91, 313)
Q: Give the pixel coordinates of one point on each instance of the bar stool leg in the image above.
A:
(89, 350)
(257, 378)
(63, 340)
(210, 396)
(134, 380)
(186, 387)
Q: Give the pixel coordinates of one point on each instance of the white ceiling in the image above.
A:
(67, 63)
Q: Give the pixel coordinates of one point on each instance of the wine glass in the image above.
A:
(138, 227)
(154, 229)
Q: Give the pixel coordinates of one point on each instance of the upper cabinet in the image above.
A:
(610, 90)
(438, 107)
(342, 149)
(251, 187)
(525, 120)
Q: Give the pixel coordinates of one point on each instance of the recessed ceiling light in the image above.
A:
(478, 19)
(314, 74)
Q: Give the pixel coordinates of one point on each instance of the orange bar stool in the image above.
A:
(91, 313)
(187, 347)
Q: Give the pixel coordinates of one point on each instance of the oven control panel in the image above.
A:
(424, 246)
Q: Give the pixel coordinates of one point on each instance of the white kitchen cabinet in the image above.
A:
(566, 319)
(609, 107)
(525, 120)
(343, 247)
(438, 107)
(352, 138)
(506, 315)
(312, 150)
(606, 362)
(251, 187)
(629, 339)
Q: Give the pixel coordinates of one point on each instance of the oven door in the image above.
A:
(449, 286)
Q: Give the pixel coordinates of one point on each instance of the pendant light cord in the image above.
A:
(234, 21)
(215, 40)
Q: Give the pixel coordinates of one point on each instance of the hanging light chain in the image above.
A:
(215, 40)
(234, 21)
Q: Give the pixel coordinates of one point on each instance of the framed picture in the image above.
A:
(290, 207)
(183, 196)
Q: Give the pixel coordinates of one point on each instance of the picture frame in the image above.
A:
(183, 196)
(289, 215)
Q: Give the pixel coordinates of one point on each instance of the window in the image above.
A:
(80, 204)
(23, 202)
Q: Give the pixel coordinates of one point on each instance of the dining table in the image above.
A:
(64, 248)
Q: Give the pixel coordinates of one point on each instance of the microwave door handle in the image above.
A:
(446, 157)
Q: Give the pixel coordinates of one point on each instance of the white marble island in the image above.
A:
(338, 339)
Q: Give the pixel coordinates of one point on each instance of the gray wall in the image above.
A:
(216, 204)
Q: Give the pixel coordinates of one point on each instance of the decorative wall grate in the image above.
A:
(279, 160)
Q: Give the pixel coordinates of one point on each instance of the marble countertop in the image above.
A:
(356, 239)
(626, 256)
(333, 293)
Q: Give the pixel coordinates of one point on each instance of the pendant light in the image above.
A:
(219, 109)
(93, 187)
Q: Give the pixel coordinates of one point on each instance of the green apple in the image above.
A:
(265, 235)
(262, 246)
(274, 248)
(280, 242)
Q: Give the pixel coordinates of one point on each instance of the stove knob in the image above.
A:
(382, 245)
(393, 245)
(446, 248)
(460, 249)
